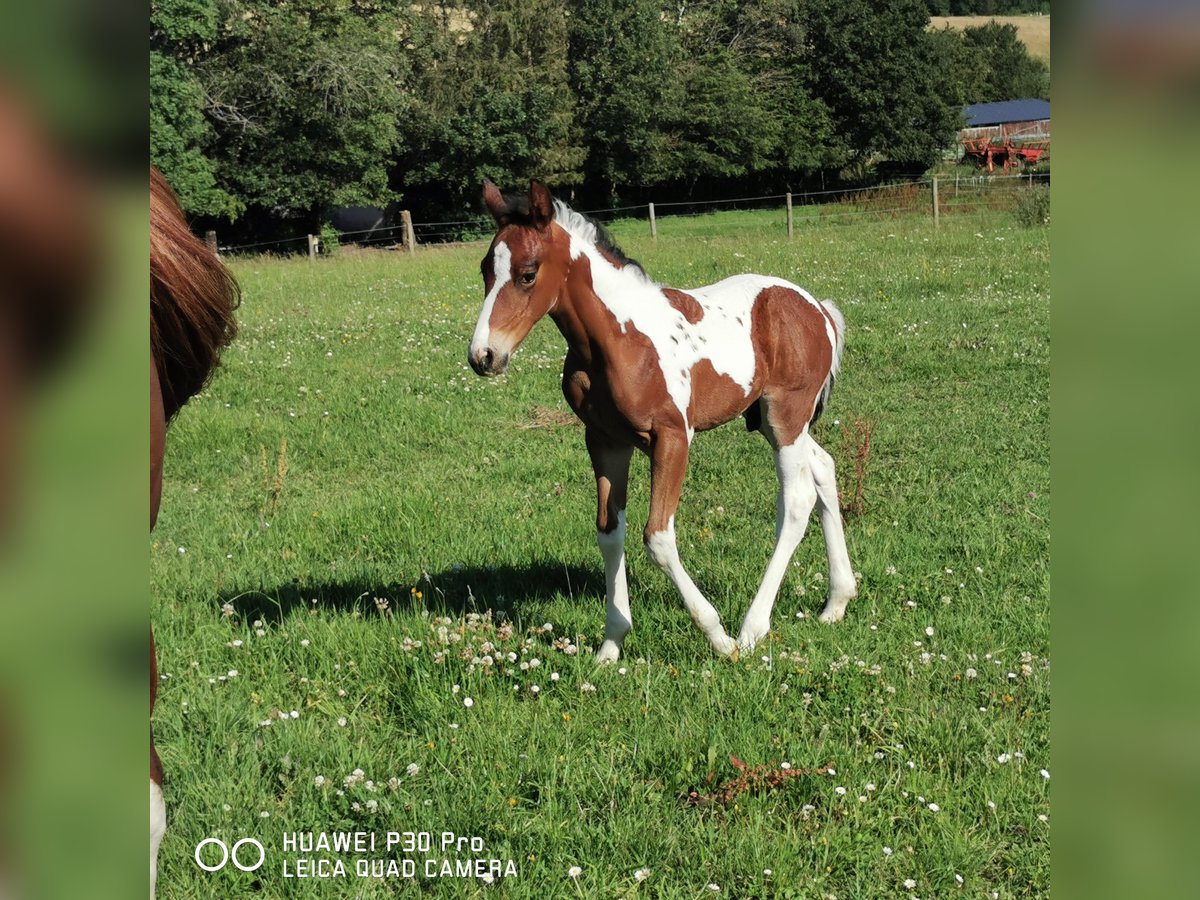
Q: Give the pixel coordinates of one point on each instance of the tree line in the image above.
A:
(266, 112)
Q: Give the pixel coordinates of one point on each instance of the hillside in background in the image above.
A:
(1034, 31)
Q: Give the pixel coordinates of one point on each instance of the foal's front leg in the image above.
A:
(611, 465)
(668, 464)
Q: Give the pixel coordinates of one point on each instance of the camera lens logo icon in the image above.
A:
(228, 854)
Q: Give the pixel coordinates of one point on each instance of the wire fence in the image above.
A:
(934, 197)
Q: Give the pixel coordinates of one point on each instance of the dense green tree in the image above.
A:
(621, 63)
(307, 96)
(873, 63)
(181, 137)
(1001, 67)
(271, 110)
(492, 101)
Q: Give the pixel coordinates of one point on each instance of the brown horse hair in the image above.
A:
(192, 299)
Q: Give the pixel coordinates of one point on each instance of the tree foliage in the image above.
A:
(275, 110)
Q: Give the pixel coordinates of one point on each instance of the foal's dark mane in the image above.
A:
(517, 205)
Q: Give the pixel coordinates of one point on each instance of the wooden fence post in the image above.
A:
(653, 224)
(789, 215)
(410, 239)
(210, 238)
(936, 220)
(313, 241)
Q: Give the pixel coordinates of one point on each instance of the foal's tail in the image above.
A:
(839, 344)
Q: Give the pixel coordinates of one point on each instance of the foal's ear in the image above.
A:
(541, 204)
(494, 201)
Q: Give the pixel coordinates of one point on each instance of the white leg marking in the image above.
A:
(797, 495)
(158, 826)
(842, 587)
(617, 620)
(662, 550)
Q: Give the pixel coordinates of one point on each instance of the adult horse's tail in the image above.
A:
(839, 344)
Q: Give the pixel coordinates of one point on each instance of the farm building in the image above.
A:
(1008, 133)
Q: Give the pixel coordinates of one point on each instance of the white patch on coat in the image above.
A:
(158, 827)
(722, 336)
(502, 267)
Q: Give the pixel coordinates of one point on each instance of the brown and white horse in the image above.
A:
(647, 367)
(192, 299)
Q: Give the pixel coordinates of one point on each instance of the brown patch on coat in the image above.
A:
(717, 398)
(794, 353)
(684, 303)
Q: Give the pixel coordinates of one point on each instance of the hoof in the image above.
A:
(725, 646)
(608, 653)
(748, 640)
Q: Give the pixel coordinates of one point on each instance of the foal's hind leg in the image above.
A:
(842, 587)
(611, 465)
(797, 495)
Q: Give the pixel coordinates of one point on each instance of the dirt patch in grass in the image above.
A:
(549, 417)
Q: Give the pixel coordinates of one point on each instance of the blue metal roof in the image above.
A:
(980, 114)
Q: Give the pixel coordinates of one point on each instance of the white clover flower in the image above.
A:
(642, 874)
(468, 702)
(839, 790)
(929, 631)
(412, 769)
(319, 781)
(1003, 758)
(933, 807)
(909, 883)
(574, 872)
(1045, 773)
(887, 851)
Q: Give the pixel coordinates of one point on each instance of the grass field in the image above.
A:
(406, 558)
(1034, 31)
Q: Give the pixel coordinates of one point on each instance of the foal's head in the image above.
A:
(523, 273)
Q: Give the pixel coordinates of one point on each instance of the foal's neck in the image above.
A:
(582, 316)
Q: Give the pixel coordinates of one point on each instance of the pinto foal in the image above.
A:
(192, 299)
(647, 367)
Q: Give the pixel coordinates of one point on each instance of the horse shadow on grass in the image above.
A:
(521, 593)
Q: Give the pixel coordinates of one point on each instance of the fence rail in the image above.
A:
(937, 196)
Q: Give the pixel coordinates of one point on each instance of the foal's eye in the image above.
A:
(527, 278)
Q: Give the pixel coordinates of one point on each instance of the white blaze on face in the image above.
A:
(502, 267)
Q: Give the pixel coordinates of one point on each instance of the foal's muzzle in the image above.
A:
(486, 362)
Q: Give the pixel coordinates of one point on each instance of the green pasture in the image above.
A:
(358, 536)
